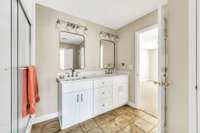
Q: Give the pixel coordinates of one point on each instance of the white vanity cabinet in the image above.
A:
(75, 102)
(103, 93)
(80, 100)
(120, 90)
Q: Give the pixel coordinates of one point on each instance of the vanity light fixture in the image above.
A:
(70, 27)
(108, 36)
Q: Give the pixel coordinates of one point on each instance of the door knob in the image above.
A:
(157, 82)
(163, 83)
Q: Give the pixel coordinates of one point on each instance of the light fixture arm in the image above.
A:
(69, 26)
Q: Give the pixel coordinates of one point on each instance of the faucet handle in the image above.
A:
(77, 74)
(67, 73)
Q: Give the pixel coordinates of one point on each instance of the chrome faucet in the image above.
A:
(67, 74)
(77, 74)
(109, 71)
(73, 71)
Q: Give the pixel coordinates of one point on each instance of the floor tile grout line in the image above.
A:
(116, 113)
(99, 126)
(144, 120)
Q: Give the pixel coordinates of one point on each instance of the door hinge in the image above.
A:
(165, 69)
(165, 122)
(196, 87)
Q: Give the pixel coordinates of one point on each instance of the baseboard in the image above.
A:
(132, 104)
(44, 118)
(29, 127)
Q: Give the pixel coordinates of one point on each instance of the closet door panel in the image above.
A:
(24, 45)
(5, 65)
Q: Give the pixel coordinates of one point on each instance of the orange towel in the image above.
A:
(25, 111)
(33, 95)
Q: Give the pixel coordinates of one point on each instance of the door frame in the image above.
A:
(192, 67)
(161, 91)
(137, 89)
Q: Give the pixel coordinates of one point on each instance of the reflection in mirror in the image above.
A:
(72, 51)
(107, 54)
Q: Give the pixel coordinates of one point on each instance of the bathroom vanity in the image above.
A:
(80, 100)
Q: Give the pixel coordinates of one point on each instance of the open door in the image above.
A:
(150, 90)
(161, 68)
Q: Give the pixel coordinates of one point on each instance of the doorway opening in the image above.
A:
(147, 70)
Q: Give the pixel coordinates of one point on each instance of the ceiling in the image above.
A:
(149, 39)
(110, 13)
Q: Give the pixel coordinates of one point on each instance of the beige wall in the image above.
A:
(177, 92)
(126, 45)
(47, 53)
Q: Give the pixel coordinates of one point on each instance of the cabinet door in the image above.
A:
(70, 108)
(122, 94)
(86, 104)
(115, 96)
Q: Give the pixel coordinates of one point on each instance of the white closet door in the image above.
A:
(198, 64)
(24, 45)
(5, 66)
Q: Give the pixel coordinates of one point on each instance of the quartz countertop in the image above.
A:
(91, 77)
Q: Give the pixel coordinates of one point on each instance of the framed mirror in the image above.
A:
(71, 51)
(107, 54)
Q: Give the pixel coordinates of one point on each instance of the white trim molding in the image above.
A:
(131, 104)
(28, 128)
(44, 118)
(192, 45)
(35, 120)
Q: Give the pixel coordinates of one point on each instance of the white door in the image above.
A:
(70, 108)
(198, 65)
(24, 60)
(5, 67)
(86, 104)
(161, 68)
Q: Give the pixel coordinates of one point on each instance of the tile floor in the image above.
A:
(121, 120)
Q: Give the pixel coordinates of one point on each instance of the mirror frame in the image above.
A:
(100, 43)
(83, 50)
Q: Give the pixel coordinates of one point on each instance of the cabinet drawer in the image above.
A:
(102, 93)
(76, 86)
(101, 106)
(102, 82)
